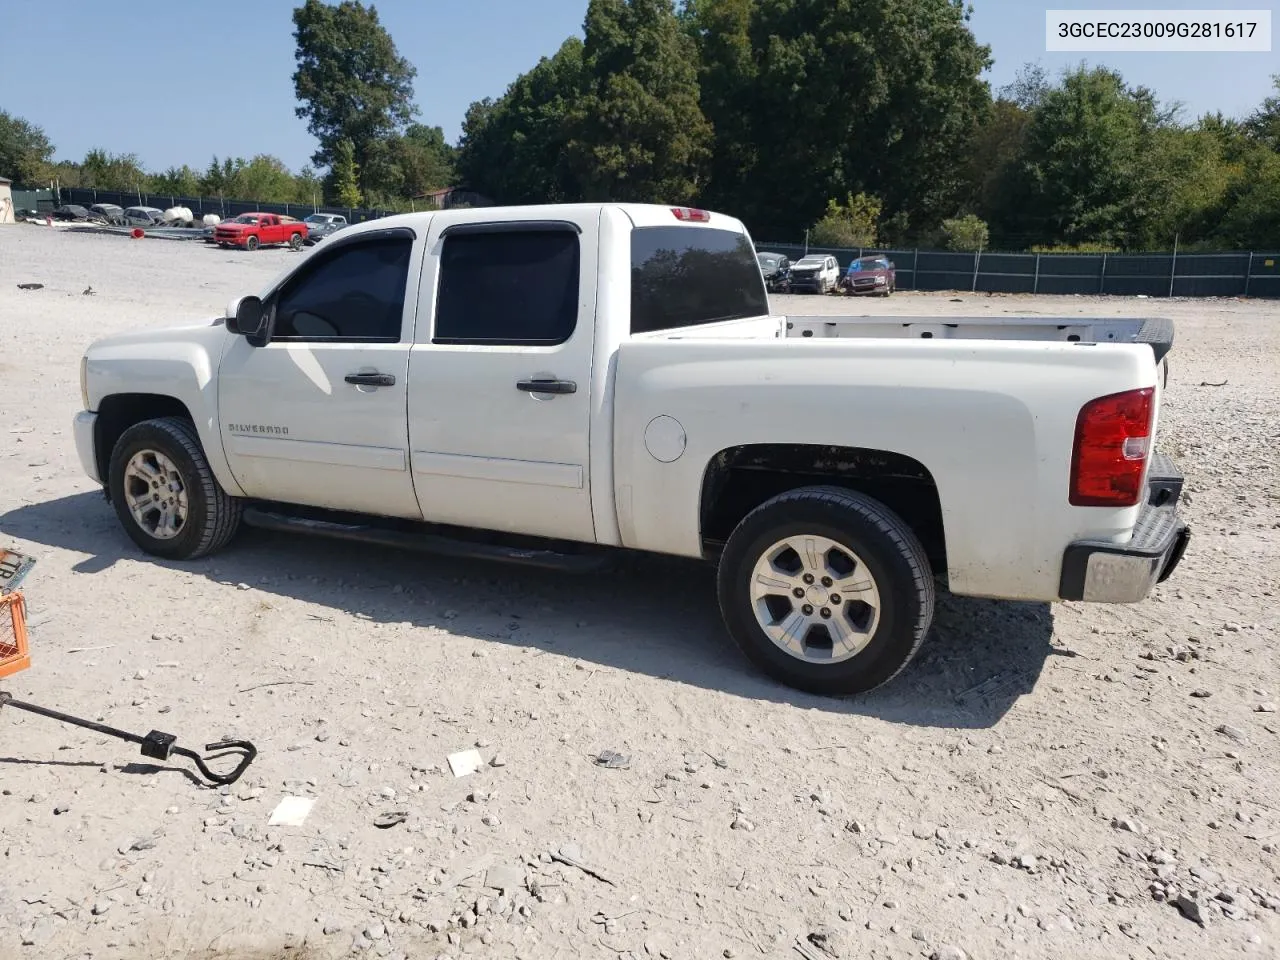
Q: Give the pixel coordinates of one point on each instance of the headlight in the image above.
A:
(879, 279)
(84, 381)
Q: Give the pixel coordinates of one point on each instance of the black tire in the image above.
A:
(295, 241)
(213, 516)
(893, 556)
(251, 243)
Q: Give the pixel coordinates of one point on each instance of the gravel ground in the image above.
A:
(1043, 782)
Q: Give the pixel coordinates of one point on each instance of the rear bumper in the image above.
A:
(83, 427)
(1101, 572)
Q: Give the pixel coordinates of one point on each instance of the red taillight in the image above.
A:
(1113, 438)
(691, 215)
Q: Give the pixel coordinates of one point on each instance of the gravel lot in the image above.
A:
(1041, 783)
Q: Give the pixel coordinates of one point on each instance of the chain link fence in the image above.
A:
(1239, 274)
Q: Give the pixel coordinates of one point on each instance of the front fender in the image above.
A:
(181, 364)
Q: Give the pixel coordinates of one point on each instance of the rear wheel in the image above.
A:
(164, 493)
(295, 241)
(826, 590)
(251, 244)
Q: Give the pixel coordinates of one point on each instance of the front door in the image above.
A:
(316, 416)
(500, 381)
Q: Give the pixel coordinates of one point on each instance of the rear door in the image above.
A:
(500, 381)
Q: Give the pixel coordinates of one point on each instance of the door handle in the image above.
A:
(547, 386)
(371, 379)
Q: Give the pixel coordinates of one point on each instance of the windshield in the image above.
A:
(811, 262)
(245, 218)
(318, 218)
(859, 266)
(769, 262)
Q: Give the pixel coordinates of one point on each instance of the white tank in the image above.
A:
(178, 215)
(211, 220)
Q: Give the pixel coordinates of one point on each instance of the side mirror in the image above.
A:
(247, 317)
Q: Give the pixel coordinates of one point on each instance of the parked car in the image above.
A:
(73, 212)
(321, 225)
(815, 274)
(874, 275)
(254, 230)
(110, 212)
(776, 270)
(520, 408)
(143, 216)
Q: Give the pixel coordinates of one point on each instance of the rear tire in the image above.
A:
(165, 494)
(295, 241)
(845, 643)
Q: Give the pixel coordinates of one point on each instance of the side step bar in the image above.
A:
(1164, 480)
(425, 540)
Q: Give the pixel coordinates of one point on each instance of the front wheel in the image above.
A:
(826, 590)
(251, 244)
(164, 493)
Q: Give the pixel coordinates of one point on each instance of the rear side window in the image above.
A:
(686, 276)
(354, 293)
(518, 288)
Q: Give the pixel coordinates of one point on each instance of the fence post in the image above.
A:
(1173, 267)
(977, 259)
(1248, 273)
(915, 271)
(1102, 277)
(1035, 284)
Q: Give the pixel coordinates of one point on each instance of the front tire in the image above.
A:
(251, 244)
(165, 494)
(826, 590)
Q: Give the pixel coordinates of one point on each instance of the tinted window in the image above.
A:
(685, 276)
(351, 293)
(518, 288)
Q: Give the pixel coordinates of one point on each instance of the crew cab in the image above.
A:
(254, 230)
(816, 273)
(550, 384)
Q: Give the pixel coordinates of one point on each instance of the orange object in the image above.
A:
(13, 634)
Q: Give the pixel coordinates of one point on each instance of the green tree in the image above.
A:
(638, 132)
(847, 96)
(346, 175)
(1263, 124)
(25, 151)
(965, 233)
(352, 85)
(1086, 173)
(112, 171)
(264, 178)
(176, 182)
(513, 148)
(423, 160)
(851, 224)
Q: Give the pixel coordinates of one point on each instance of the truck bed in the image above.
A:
(1157, 332)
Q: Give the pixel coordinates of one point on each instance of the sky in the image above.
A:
(178, 82)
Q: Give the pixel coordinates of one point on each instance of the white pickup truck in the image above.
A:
(544, 383)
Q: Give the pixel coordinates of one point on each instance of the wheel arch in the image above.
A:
(739, 479)
(118, 412)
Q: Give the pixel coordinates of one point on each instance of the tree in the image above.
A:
(638, 133)
(851, 224)
(25, 151)
(513, 148)
(965, 233)
(352, 85)
(264, 178)
(1263, 124)
(422, 159)
(346, 175)
(1086, 172)
(111, 171)
(176, 182)
(857, 95)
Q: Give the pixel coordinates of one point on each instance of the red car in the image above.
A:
(875, 275)
(254, 230)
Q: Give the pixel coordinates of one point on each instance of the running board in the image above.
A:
(425, 542)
